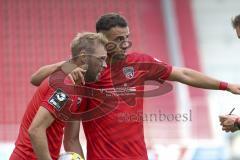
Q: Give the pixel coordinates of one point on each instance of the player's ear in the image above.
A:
(82, 59)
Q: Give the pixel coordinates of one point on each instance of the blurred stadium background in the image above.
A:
(192, 33)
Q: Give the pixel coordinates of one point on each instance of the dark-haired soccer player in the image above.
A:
(107, 137)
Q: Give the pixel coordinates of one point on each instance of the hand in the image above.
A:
(234, 88)
(77, 76)
(75, 73)
(227, 123)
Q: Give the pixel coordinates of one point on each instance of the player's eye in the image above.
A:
(119, 39)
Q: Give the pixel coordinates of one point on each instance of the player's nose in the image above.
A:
(104, 64)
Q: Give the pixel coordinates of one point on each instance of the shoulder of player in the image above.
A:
(50, 87)
(138, 56)
(44, 86)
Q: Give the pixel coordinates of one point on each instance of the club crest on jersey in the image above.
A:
(58, 99)
(128, 72)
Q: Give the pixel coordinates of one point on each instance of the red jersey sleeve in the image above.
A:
(53, 100)
(157, 69)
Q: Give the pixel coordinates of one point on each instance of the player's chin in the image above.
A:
(91, 77)
(97, 77)
(119, 56)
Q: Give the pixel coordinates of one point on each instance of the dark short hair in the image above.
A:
(110, 20)
(236, 21)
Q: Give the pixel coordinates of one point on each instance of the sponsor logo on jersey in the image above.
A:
(58, 99)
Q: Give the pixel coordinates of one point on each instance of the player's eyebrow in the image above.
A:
(122, 37)
(119, 37)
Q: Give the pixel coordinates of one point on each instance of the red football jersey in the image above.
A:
(53, 100)
(117, 135)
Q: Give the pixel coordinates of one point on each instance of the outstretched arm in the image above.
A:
(44, 72)
(199, 80)
(75, 74)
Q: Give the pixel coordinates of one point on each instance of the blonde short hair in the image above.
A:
(87, 42)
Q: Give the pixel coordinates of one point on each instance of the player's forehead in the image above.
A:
(116, 32)
(100, 51)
